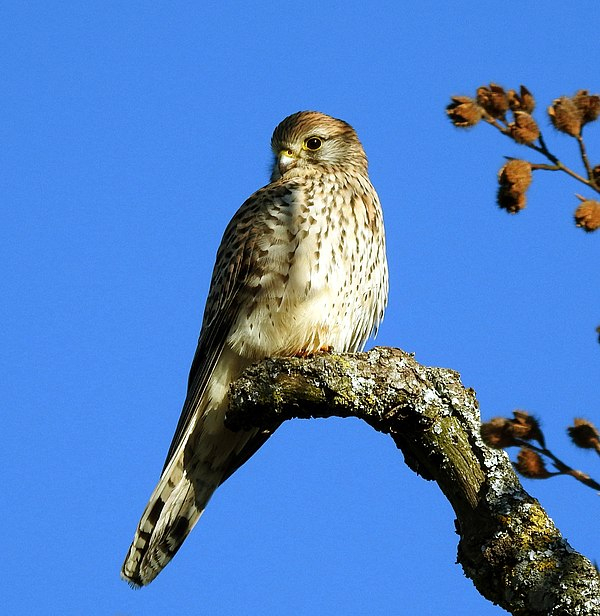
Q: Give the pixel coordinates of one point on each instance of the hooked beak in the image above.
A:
(286, 160)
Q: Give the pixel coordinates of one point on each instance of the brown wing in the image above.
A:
(233, 266)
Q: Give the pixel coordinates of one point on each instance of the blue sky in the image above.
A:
(130, 134)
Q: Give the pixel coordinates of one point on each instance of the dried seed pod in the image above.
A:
(521, 102)
(514, 179)
(515, 175)
(531, 465)
(524, 129)
(587, 215)
(497, 433)
(527, 427)
(514, 102)
(584, 434)
(511, 201)
(463, 111)
(527, 100)
(493, 99)
(596, 174)
(588, 105)
(565, 116)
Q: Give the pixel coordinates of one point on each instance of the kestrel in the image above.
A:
(301, 268)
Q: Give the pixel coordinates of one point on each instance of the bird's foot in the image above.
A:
(304, 353)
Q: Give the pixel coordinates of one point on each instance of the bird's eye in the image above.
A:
(313, 143)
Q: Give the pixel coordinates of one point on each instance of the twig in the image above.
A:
(564, 469)
(544, 151)
(584, 157)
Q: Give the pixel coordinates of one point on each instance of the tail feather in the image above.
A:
(203, 460)
(172, 511)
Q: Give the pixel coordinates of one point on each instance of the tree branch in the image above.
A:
(508, 545)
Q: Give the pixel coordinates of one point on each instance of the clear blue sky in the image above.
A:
(130, 134)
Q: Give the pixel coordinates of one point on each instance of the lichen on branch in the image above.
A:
(508, 546)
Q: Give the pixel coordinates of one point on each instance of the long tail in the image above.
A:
(207, 455)
(175, 506)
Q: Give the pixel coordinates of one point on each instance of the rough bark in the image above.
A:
(508, 546)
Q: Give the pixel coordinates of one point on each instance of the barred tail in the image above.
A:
(172, 511)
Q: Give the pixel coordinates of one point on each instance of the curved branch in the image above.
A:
(508, 545)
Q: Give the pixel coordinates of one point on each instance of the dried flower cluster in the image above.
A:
(584, 434)
(587, 215)
(464, 111)
(513, 179)
(523, 429)
(523, 101)
(531, 465)
(570, 114)
(493, 99)
(510, 111)
(501, 432)
(524, 129)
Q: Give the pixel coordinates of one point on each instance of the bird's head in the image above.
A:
(309, 138)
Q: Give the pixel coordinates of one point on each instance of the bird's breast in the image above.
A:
(314, 282)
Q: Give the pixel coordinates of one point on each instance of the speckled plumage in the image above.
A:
(301, 267)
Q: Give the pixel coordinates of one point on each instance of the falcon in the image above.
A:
(301, 268)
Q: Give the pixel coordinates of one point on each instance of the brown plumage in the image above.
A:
(301, 267)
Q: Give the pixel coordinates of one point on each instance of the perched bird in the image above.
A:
(301, 268)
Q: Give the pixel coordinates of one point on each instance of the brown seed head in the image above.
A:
(588, 105)
(587, 215)
(493, 99)
(497, 433)
(463, 111)
(527, 100)
(521, 102)
(565, 116)
(511, 201)
(531, 465)
(596, 174)
(527, 427)
(514, 179)
(524, 129)
(515, 175)
(584, 434)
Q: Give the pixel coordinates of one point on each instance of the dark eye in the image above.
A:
(313, 143)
